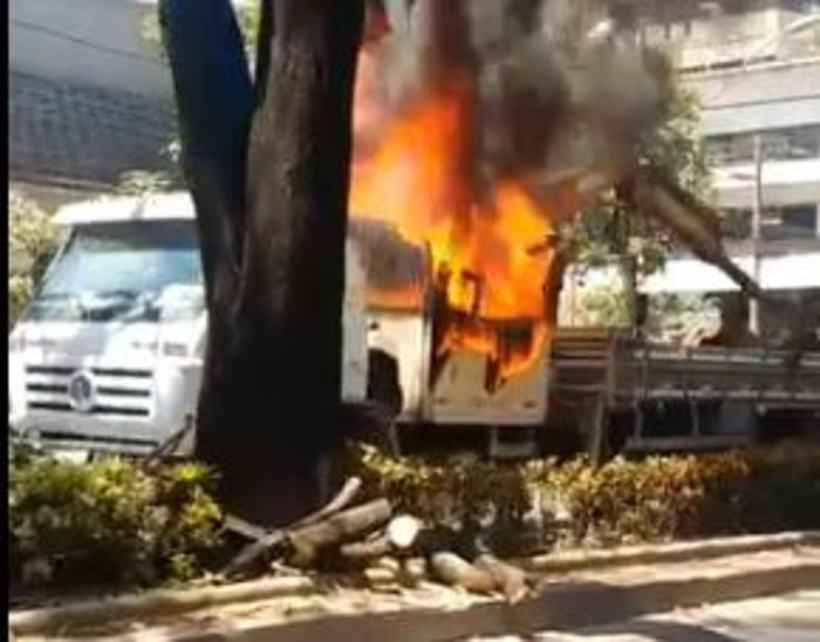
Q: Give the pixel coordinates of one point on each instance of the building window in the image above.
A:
(735, 225)
(795, 143)
(790, 223)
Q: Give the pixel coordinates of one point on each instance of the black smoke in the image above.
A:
(553, 83)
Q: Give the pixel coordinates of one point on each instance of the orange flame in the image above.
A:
(417, 178)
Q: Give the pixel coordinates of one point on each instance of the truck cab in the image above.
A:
(108, 356)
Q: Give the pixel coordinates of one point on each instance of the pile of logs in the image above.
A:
(387, 550)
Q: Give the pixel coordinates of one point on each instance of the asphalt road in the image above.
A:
(792, 617)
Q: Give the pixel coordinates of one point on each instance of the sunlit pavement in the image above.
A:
(792, 617)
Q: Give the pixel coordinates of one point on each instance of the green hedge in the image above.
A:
(32, 242)
(109, 520)
(114, 521)
(652, 499)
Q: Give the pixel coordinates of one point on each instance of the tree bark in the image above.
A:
(512, 581)
(367, 550)
(309, 540)
(456, 571)
(268, 168)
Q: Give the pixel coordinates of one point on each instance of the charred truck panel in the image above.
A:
(438, 364)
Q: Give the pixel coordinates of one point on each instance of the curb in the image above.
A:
(673, 552)
(163, 602)
(563, 607)
(154, 603)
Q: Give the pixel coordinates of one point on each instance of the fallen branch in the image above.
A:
(308, 540)
(342, 499)
(264, 540)
(170, 444)
(358, 551)
(245, 529)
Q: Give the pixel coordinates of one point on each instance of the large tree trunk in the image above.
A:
(272, 212)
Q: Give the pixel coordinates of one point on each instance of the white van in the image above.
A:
(108, 356)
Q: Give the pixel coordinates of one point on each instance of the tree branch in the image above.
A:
(264, 42)
(215, 104)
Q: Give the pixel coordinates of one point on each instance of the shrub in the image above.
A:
(32, 242)
(109, 520)
(441, 490)
(651, 499)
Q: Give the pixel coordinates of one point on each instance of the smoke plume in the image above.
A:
(551, 83)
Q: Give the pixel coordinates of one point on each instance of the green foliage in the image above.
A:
(167, 179)
(672, 316)
(601, 306)
(140, 183)
(439, 489)
(652, 499)
(672, 150)
(110, 520)
(32, 243)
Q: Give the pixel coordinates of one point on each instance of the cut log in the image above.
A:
(253, 551)
(456, 571)
(308, 540)
(414, 570)
(389, 563)
(509, 579)
(403, 530)
(377, 576)
(366, 550)
(382, 580)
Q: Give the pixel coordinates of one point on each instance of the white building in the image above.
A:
(87, 100)
(756, 68)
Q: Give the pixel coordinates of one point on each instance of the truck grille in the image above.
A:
(119, 392)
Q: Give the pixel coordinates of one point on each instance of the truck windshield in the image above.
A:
(113, 271)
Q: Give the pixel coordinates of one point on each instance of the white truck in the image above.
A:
(108, 355)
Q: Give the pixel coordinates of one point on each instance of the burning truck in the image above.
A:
(454, 263)
(436, 362)
(478, 141)
(108, 357)
(525, 385)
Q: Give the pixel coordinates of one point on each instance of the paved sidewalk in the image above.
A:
(432, 613)
(790, 617)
